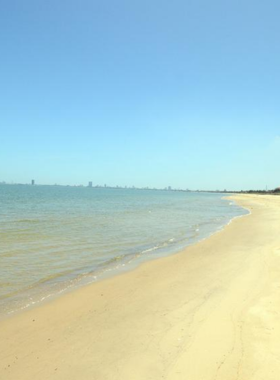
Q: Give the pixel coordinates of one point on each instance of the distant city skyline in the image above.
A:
(155, 93)
(132, 187)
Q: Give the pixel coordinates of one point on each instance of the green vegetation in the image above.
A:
(275, 191)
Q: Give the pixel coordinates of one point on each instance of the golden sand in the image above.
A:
(211, 312)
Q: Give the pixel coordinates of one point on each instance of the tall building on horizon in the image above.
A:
(90, 184)
(33, 182)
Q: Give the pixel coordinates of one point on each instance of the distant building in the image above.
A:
(33, 182)
(90, 184)
(169, 188)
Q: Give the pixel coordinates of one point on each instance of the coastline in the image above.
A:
(208, 312)
(57, 284)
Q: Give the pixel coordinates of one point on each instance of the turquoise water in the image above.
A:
(54, 238)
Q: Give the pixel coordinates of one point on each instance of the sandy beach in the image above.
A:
(210, 312)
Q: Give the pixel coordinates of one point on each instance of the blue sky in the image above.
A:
(145, 93)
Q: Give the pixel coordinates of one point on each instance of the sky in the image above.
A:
(145, 93)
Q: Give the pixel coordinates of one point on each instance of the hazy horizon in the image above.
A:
(132, 187)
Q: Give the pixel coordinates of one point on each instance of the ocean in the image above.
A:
(56, 238)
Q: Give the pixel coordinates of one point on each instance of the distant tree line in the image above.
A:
(275, 191)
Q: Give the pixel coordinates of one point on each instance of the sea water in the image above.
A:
(55, 238)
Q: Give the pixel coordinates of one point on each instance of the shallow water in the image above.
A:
(53, 238)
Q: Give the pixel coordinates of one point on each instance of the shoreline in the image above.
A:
(49, 290)
(207, 312)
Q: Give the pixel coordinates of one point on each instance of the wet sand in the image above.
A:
(211, 312)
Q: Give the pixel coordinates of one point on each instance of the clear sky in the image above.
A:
(145, 93)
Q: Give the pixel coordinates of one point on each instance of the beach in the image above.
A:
(210, 312)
